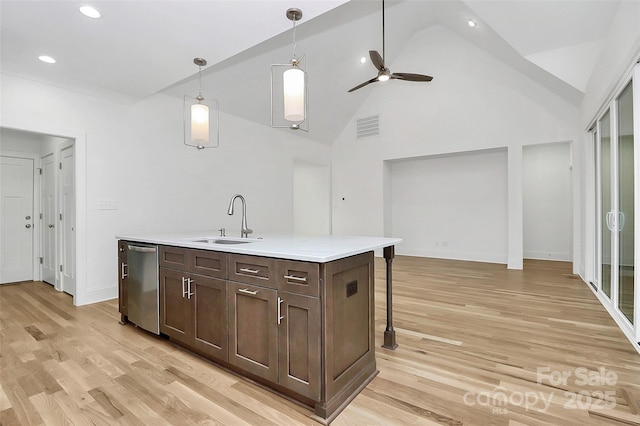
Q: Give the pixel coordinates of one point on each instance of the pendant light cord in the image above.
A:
(294, 39)
(200, 97)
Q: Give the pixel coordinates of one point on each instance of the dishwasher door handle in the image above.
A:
(142, 249)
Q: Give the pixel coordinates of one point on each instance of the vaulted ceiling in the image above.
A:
(139, 48)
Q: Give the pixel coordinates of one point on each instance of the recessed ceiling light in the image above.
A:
(472, 23)
(363, 59)
(90, 12)
(47, 59)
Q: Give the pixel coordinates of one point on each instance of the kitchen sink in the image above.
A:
(222, 241)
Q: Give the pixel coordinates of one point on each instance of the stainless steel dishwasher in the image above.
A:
(143, 297)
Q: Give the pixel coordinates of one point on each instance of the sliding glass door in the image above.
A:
(616, 164)
(626, 227)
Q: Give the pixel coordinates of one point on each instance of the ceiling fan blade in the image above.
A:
(376, 59)
(373, 80)
(410, 77)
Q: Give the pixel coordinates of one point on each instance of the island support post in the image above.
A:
(389, 332)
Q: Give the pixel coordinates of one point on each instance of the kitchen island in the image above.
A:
(292, 313)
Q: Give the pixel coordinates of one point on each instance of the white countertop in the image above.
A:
(319, 249)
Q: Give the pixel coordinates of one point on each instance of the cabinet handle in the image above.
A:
(247, 291)
(249, 271)
(294, 278)
(280, 317)
(184, 293)
(189, 294)
(123, 273)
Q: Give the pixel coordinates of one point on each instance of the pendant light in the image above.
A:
(200, 117)
(289, 88)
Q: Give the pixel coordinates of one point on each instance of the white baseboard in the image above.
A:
(95, 295)
(542, 255)
(471, 257)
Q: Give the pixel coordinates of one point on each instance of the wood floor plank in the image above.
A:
(469, 334)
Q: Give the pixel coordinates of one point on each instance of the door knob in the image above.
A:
(28, 225)
(28, 217)
(51, 226)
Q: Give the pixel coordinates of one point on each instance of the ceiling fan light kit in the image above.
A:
(383, 72)
(289, 87)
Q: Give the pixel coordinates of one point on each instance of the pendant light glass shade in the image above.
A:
(293, 87)
(289, 88)
(200, 123)
(201, 118)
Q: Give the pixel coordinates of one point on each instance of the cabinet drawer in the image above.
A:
(209, 263)
(298, 277)
(122, 249)
(174, 257)
(253, 270)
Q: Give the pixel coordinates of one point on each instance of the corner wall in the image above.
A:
(134, 155)
(475, 102)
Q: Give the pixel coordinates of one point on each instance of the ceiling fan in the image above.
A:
(383, 72)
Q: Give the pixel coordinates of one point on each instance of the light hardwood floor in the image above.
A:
(470, 335)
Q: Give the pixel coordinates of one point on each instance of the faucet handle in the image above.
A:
(222, 232)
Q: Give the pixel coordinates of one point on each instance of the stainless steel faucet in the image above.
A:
(244, 233)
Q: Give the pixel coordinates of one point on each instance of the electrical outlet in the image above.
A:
(107, 204)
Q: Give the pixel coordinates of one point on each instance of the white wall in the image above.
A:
(135, 156)
(547, 200)
(432, 199)
(475, 102)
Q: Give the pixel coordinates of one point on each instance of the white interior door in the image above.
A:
(16, 205)
(48, 206)
(68, 220)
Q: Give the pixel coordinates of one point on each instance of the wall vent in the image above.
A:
(368, 127)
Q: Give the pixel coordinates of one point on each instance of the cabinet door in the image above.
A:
(175, 307)
(253, 329)
(210, 316)
(299, 344)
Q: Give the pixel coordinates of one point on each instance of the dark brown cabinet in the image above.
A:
(122, 280)
(276, 334)
(253, 329)
(193, 307)
(304, 329)
(299, 333)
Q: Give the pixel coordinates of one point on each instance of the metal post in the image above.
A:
(389, 333)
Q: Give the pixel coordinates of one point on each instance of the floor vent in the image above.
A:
(368, 127)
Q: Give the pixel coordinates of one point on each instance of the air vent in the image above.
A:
(368, 127)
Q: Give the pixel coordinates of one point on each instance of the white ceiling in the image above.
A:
(139, 48)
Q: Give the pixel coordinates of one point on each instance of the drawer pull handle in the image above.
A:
(294, 278)
(189, 282)
(247, 291)
(280, 317)
(249, 271)
(184, 293)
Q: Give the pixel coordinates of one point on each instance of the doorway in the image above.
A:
(52, 195)
(16, 206)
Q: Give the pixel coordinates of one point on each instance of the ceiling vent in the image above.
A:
(368, 127)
